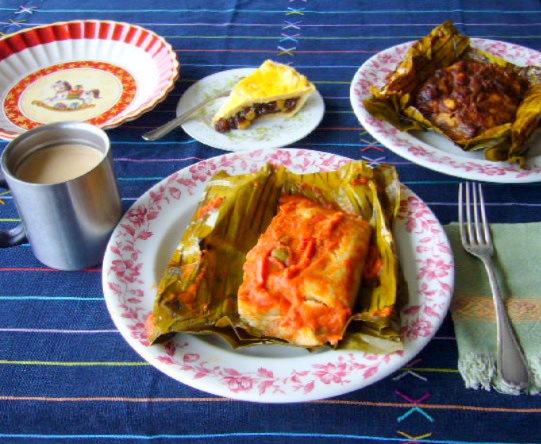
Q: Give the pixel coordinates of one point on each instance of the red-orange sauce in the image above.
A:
(295, 250)
(373, 264)
(210, 205)
(150, 325)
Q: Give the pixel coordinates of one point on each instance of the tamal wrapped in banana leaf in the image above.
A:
(476, 99)
(302, 278)
(199, 288)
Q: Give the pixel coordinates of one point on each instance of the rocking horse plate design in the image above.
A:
(100, 72)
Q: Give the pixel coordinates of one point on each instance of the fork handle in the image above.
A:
(166, 128)
(511, 361)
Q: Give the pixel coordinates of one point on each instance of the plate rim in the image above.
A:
(190, 129)
(150, 102)
(421, 330)
(429, 156)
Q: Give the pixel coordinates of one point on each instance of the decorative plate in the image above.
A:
(145, 238)
(101, 72)
(271, 132)
(430, 149)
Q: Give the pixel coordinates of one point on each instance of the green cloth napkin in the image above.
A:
(518, 267)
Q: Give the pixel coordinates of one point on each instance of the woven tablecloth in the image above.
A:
(66, 374)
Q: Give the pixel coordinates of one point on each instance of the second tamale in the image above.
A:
(476, 99)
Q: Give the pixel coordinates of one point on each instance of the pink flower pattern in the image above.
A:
(126, 270)
(419, 328)
(435, 265)
(332, 373)
(125, 288)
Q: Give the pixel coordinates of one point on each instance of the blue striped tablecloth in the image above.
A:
(66, 374)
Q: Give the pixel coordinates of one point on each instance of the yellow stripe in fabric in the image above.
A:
(146, 364)
(481, 308)
(322, 401)
(433, 370)
(433, 406)
(76, 364)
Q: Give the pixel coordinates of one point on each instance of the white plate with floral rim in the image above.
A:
(101, 72)
(269, 132)
(432, 150)
(144, 240)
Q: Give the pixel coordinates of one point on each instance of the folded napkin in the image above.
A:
(516, 259)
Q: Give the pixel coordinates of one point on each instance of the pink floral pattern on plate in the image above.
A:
(138, 247)
(456, 163)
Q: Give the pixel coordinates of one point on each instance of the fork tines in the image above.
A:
(474, 229)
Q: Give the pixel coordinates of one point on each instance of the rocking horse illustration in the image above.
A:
(69, 98)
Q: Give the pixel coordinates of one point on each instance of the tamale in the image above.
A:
(302, 278)
(198, 291)
(476, 99)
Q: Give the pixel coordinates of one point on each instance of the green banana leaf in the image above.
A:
(198, 290)
(527, 121)
(197, 293)
(441, 48)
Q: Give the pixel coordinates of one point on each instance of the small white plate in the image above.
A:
(101, 72)
(270, 132)
(145, 238)
(430, 149)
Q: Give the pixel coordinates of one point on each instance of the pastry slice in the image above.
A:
(273, 89)
(302, 277)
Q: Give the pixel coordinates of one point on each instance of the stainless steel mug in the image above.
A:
(67, 223)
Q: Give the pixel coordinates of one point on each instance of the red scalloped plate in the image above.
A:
(101, 72)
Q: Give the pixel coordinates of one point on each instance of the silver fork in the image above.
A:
(169, 126)
(477, 240)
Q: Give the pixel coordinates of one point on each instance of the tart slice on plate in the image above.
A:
(273, 89)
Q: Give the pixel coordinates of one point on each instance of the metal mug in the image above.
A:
(68, 224)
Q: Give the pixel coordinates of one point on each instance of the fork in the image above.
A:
(169, 126)
(477, 240)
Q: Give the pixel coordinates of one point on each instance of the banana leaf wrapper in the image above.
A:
(441, 48)
(198, 290)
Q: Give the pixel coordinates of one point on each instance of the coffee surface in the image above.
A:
(59, 163)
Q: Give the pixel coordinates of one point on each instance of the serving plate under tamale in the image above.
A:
(430, 149)
(144, 240)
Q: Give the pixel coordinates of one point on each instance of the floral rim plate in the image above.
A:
(101, 72)
(145, 238)
(428, 148)
(272, 132)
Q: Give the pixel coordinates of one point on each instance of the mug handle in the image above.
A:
(13, 236)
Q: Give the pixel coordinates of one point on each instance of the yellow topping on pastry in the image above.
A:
(273, 89)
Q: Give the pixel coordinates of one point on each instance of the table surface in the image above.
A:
(65, 371)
